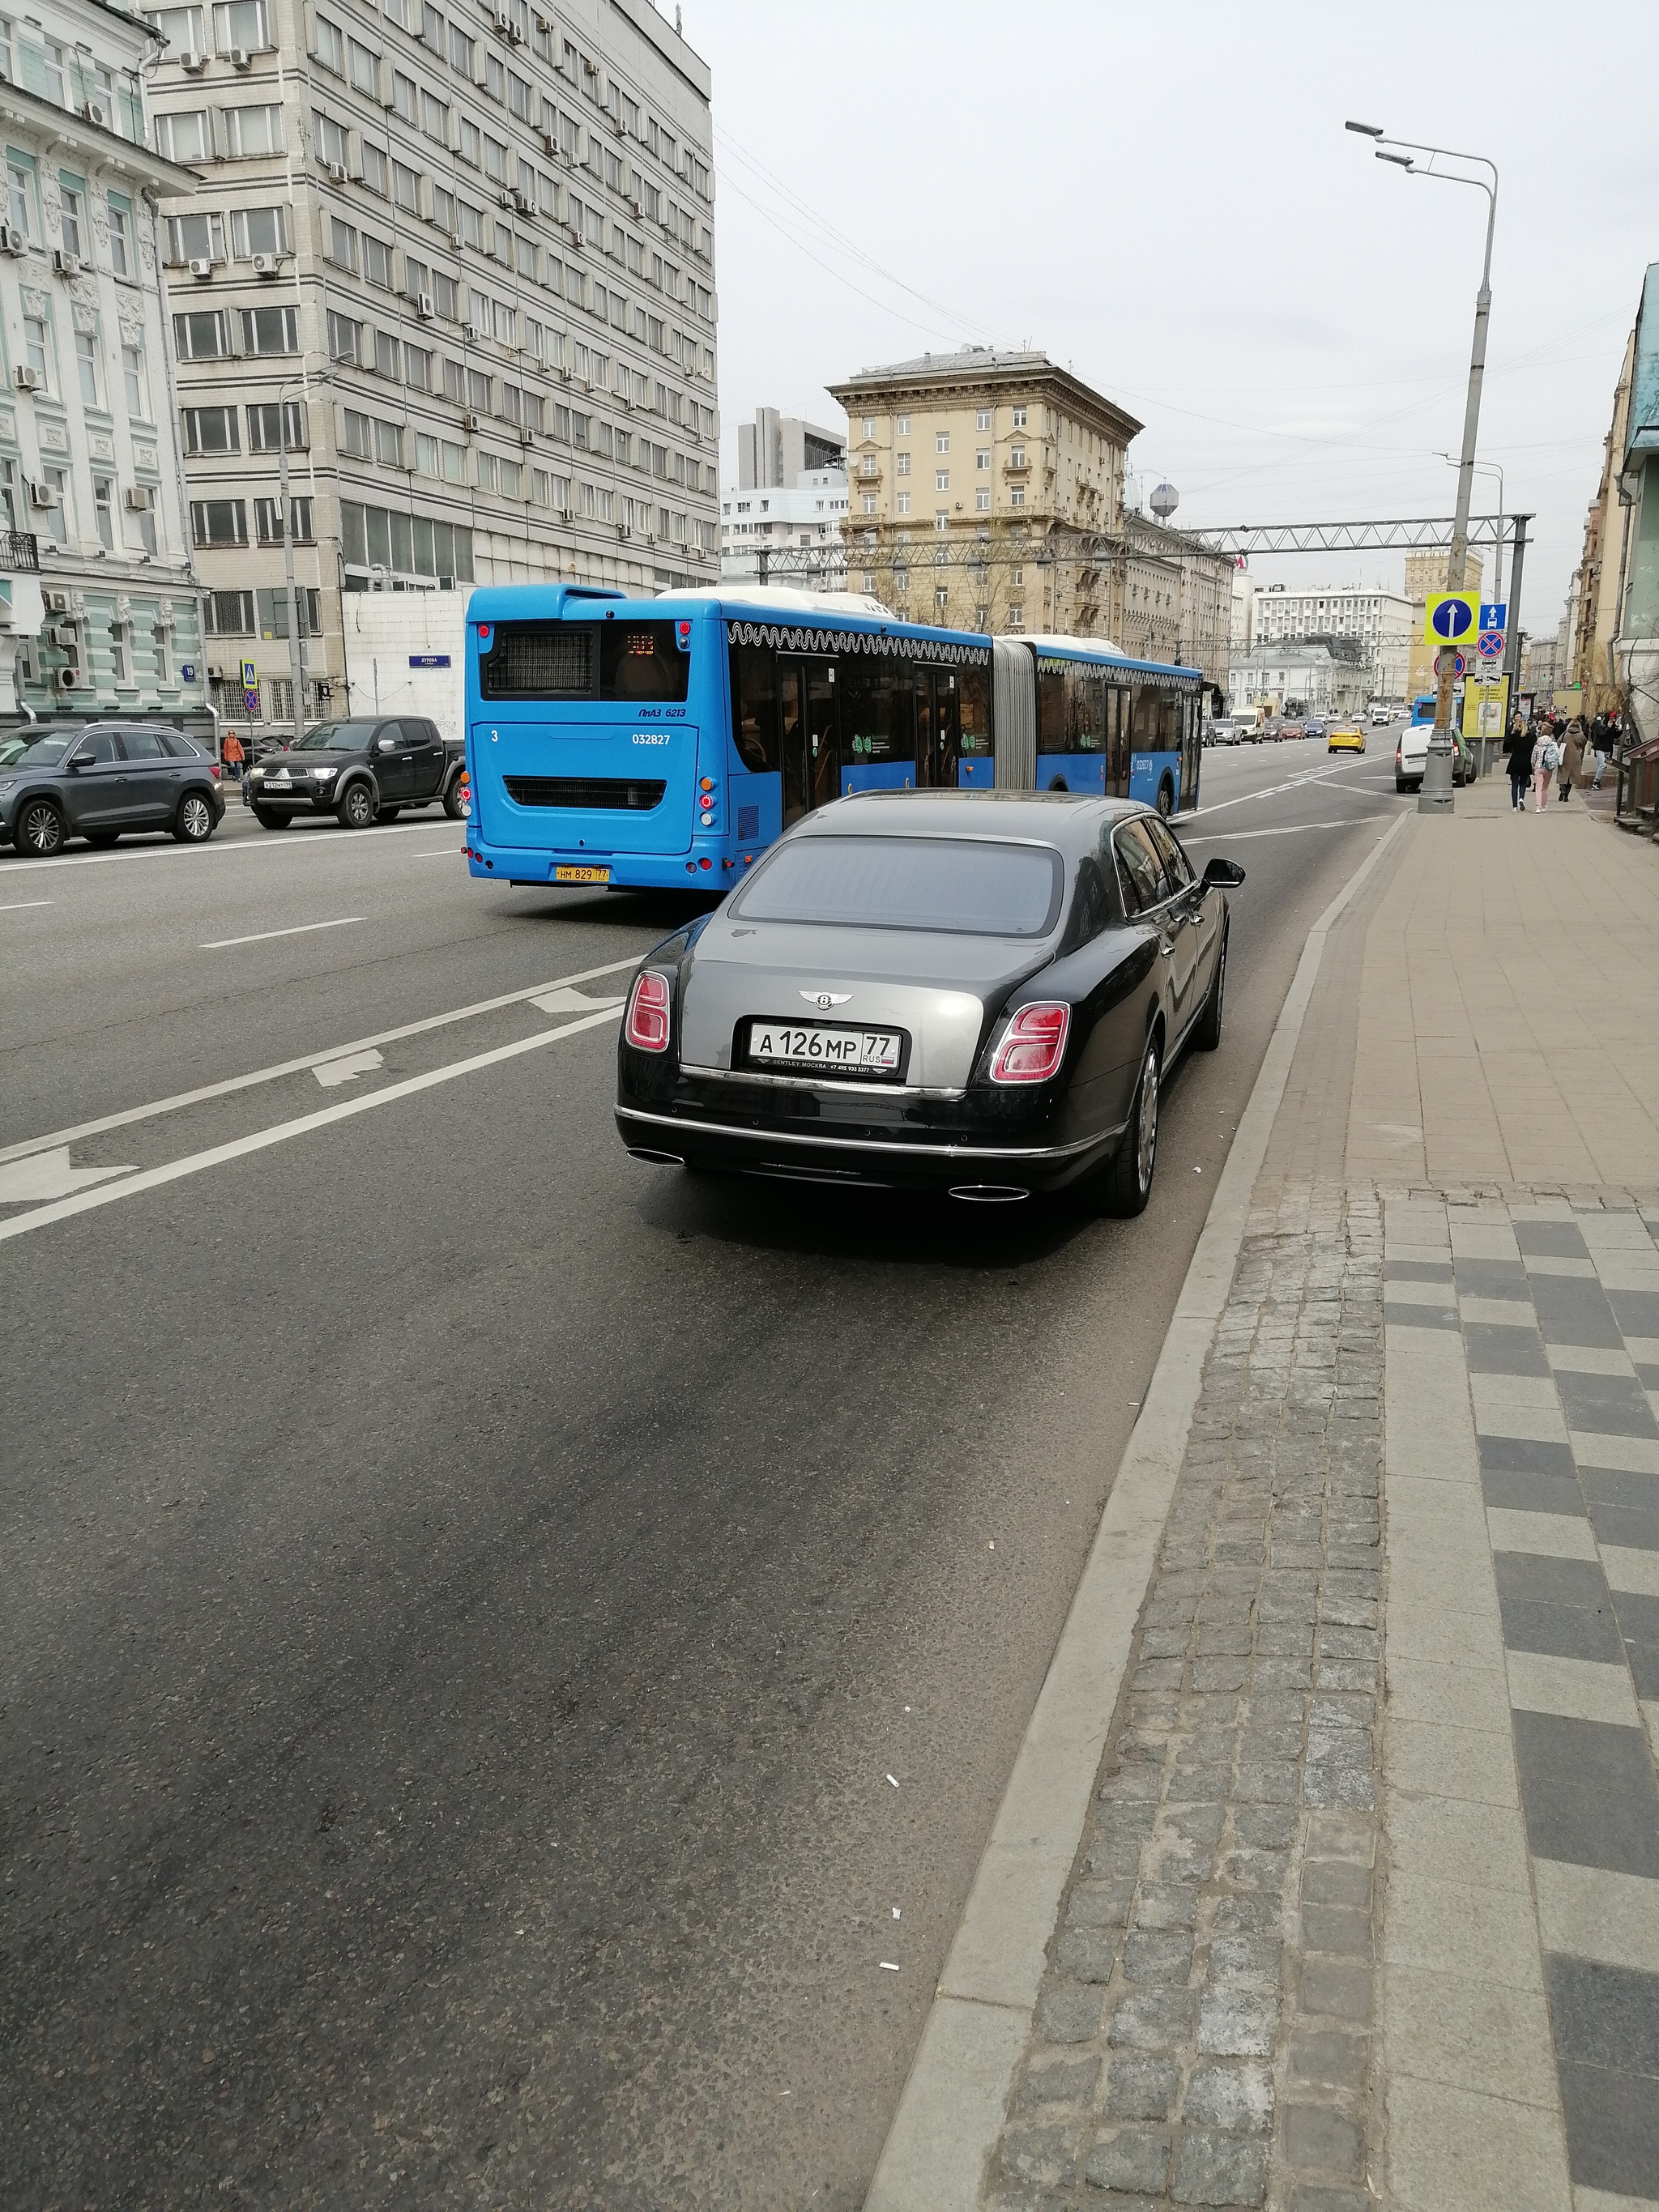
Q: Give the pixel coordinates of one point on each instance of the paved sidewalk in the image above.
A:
(1366, 1906)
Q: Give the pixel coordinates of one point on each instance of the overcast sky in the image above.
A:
(1164, 197)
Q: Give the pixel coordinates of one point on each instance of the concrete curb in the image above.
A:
(951, 2110)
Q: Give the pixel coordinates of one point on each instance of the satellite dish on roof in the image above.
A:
(1164, 501)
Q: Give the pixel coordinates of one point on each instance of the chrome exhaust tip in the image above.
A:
(656, 1160)
(988, 1193)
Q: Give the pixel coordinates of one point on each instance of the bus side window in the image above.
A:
(877, 710)
(1051, 711)
(1168, 722)
(973, 688)
(1143, 735)
(1117, 742)
(754, 706)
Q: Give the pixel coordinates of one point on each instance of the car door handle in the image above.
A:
(1166, 948)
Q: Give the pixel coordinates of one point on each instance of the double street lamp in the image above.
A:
(1436, 794)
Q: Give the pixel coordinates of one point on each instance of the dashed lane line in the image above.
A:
(235, 1082)
(297, 929)
(16, 906)
(111, 1193)
(1288, 828)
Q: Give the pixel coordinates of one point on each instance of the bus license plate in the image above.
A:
(571, 875)
(876, 1050)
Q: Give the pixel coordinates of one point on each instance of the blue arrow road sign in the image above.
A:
(1495, 616)
(1451, 618)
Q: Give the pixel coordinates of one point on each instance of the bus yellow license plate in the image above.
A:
(563, 875)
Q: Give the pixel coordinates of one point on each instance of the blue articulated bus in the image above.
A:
(666, 742)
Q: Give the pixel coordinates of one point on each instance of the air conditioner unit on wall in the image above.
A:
(423, 307)
(202, 269)
(70, 679)
(65, 265)
(336, 170)
(267, 265)
(240, 58)
(64, 637)
(139, 499)
(97, 114)
(472, 422)
(44, 496)
(12, 240)
(192, 61)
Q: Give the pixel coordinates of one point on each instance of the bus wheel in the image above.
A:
(1166, 798)
(1058, 783)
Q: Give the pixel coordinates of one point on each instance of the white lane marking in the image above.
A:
(235, 1083)
(300, 929)
(1290, 829)
(1271, 790)
(331, 1072)
(570, 1002)
(280, 1132)
(319, 840)
(17, 905)
(440, 853)
(48, 1175)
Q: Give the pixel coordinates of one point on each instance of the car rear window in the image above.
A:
(962, 885)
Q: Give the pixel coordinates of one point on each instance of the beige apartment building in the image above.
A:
(459, 261)
(985, 491)
(975, 481)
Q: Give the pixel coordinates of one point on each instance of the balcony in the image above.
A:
(1020, 468)
(20, 553)
(868, 478)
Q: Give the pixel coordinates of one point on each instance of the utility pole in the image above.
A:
(296, 645)
(1512, 650)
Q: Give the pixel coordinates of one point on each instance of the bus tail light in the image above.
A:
(1034, 1045)
(647, 1012)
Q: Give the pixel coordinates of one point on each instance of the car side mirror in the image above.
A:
(387, 746)
(1225, 873)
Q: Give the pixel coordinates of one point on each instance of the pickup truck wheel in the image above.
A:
(356, 807)
(388, 813)
(455, 804)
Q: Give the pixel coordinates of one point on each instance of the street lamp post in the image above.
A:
(1435, 796)
(1483, 757)
(296, 644)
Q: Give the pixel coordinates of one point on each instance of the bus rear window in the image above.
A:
(614, 661)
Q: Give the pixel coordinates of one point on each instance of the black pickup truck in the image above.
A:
(367, 769)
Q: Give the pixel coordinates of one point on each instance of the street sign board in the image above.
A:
(1494, 615)
(249, 675)
(1482, 708)
(1450, 617)
(1490, 645)
(1458, 664)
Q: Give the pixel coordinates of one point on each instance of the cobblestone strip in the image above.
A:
(1202, 2035)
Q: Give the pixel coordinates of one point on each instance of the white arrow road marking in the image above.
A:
(47, 1176)
(329, 1072)
(260, 1140)
(181, 1098)
(571, 1002)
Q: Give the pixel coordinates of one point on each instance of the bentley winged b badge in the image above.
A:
(825, 1000)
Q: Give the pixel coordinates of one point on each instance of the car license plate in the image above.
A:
(788, 1046)
(571, 875)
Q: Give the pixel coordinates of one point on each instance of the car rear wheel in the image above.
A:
(1208, 1032)
(40, 829)
(455, 800)
(272, 817)
(1126, 1181)
(194, 823)
(356, 808)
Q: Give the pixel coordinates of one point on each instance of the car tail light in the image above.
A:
(647, 1012)
(1034, 1045)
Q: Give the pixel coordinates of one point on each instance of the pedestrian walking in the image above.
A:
(1572, 756)
(1517, 753)
(1600, 739)
(233, 757)
(1546, 759)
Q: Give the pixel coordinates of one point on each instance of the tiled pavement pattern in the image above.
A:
(1203, 2033)
(1555, 1310)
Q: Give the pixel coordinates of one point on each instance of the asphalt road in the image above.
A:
(501, 1643)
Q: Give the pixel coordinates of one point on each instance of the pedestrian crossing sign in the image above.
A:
(1451, 618)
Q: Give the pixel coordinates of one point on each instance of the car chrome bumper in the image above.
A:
(918, 1163)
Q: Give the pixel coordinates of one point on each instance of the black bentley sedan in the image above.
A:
(974, 991)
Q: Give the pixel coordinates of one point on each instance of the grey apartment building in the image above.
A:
(461, 258)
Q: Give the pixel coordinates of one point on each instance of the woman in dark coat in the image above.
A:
(1517, 752)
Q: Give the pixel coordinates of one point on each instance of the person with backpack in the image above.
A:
(1546, 759)
(1517, 754)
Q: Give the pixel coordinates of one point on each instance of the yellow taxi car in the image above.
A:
(1345, 738)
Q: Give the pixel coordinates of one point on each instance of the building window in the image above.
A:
(869, 426)
(941, 479)
(941, 441)
(330, 140)
(1016, 457)
(982, 502)
(71, 217)
(184, 28)
(85, 366)
(251, 130)
(240, 23)
(103, 509)
(344, 339)
(259, 230)
(272, 330)
(120, 233)
(342, 244)
(388, 444)
(331, 46)
(202, 337)
(195, 238)
(210, 430)
(133, 375)
(941, 518)
(185, 136)
(983, 419)
(435, 117)
(377, 261)
(229, 614)
(1019, 418)
(903, 425)
(357, 437)
(406, 187)
(903, 503)
(982, 457)
(218, 522)
(268, 520)
(1016, 496)
(263, 433)
(37, 350)
(902, 464)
